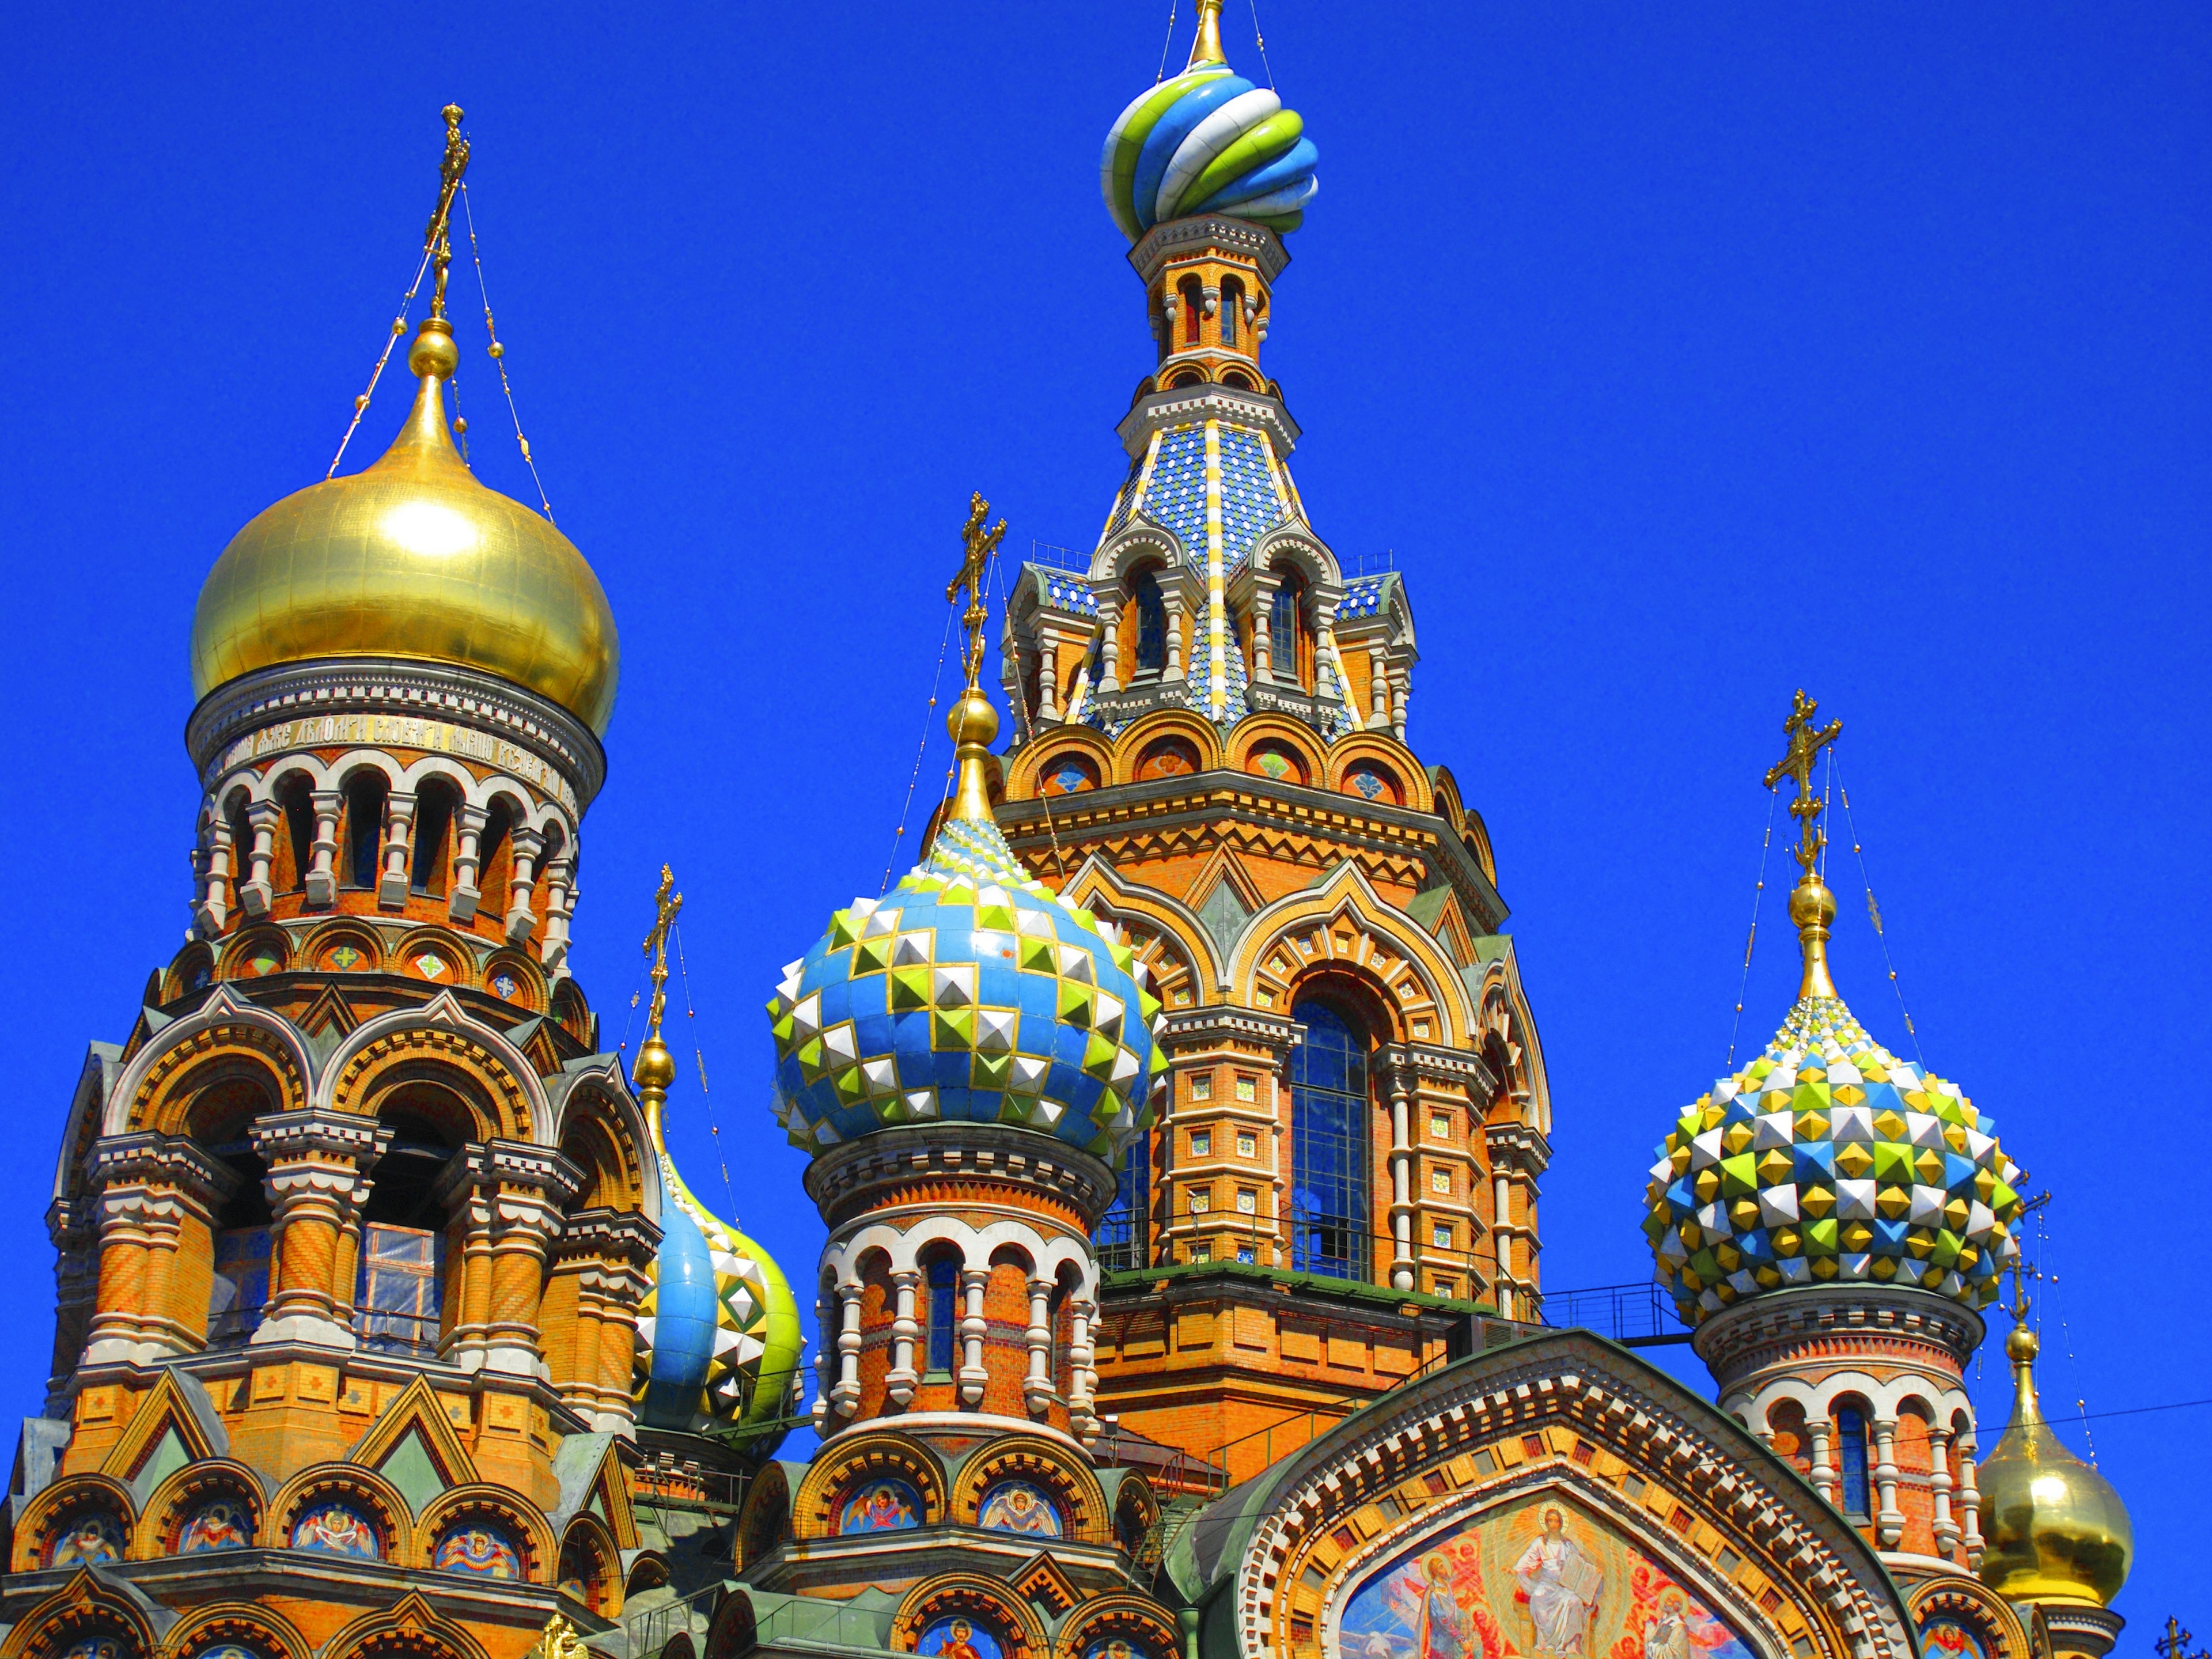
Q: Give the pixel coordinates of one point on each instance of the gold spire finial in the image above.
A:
(1812, 906)
(656, 1067)
(1207, 48)
(436, 242)
(973, 722)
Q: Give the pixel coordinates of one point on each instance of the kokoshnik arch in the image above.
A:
(1176, 1124)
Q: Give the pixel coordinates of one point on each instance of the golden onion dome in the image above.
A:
(412, 557)
(2054, 1528)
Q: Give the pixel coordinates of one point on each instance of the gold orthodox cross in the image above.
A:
(666, 903)
(1806, 741)
(437, 240)
(979, 544)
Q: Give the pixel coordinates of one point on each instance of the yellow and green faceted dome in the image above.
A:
(971, 992)
(1828, 1158)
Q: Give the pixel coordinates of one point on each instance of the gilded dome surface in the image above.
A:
(970, 992)
(2053, 1529)
(1827, 1158)
(411, 557)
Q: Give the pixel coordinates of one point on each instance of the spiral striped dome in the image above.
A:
(1207, 141)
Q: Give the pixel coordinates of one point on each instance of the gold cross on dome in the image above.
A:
(666, 903)
(978, 545)
(1806, 741)
(437, 240)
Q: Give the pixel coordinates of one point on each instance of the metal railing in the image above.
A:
(1165, 1466)
(1371, 563)
(1639, 1315)
(414, 1335)
(1059, 558)
(650, 1630)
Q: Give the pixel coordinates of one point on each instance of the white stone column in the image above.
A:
(1263, 606)
(1824, 1469)
(1171, 601)
(398, 847)
(1402, 1276)
(905, 1329)
(824, 1381)
(1109, 647)
(321, 880)
(520, 923)
(1889, 1521)
(1037, 1391)
(1378, 692)
(554, 952)
(1082, 1372)
(1501, 1234)
(255, 892)
(1048, 711)
(973, 1325)
(1939, 1486)
(462, 894)
(1969, 1501)
(215, 894)
(845, 1396)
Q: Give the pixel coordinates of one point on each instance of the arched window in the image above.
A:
(1851, 1461)
(1328, 1145)
(944, 1312)
(399, 1289)
(435, 804)
(1290, 641)
(1151, 621)
(1120, 1240)
(1194, 308)
(242, 842)
(296, 796)
(495, 858)
(364, 827)
(1232, 301)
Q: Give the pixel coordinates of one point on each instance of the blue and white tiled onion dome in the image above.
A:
(970, 992)
(1828, 1158)
(1207, 141)
(718, 1334)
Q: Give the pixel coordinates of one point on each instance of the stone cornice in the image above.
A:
(1762, 1328)
(318, 1132)
(977, 1149)
(511, 1167)
(257, 707)
(156, 1160)
(1524, 1141)
(1188, 239)
(1173, 406)
(1195, 1026)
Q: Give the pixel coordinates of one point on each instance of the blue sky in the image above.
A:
(1682, 359)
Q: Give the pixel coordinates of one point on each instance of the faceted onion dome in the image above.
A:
(969, 993)
(411, 557)
(1207, 141)
(1828, 1158)
(2053, 1529)
(718, 1334)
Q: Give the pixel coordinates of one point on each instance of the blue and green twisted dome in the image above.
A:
(1207, 141)
(718, 1334)
(1828, 1158)
(969, 993)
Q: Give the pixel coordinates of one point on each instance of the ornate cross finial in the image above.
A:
(666, 903)
(978, 545)
(1806, 741)
(2021, 1269)
(435, 241)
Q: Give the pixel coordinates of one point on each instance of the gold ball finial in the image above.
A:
(2022, 1345)
(1810, 900)
(434, 352)
(973, 721)
(655, 1067)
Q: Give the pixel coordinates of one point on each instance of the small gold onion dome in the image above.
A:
(412, 557)
(2055, 1530)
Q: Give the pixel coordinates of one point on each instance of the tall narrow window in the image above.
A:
(1328, 1145)
(398, 1289)
(1152, 622)
(1852, 1460)
(364, 828)
(1120, 1239)
(1194, 307)
(1291, 637)
(434, 822)
(944, 1315)
(298, 801)
(1232, 300)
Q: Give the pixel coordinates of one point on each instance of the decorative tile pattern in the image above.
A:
(971, 992)
(1125, 499)
(1249, 506)
(1362, 598)
(1176, 500)
(1065, 592)
(1826, 1159)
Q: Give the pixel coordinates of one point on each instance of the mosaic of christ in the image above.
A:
(1535, 1579)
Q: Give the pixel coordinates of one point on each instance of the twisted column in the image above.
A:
(150, 1302)
(318, 1161)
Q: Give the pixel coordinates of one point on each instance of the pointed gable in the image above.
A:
(175, 1423)
(413, 1445)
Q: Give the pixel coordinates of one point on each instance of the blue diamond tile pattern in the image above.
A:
(1362, 598)
(1175, 498)
(969, 993)
(1125, 499)
(1065, 592)
(1249, 506)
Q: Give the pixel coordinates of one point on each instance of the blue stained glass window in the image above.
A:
(943, 1285)
(1329, 1145)
(1120, 1239)
(1152, 622)
(1851, 1459)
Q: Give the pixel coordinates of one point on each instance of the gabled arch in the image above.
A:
(1066, 1478)
(409, 1629)
(850, 1462)
(1180, 931)
(1138, 539)
(1203, 736)
(416, 1411)
(764, 1521)
(369, 1492)
(590, 1561)
(1506, 1020)
(1345, 896)
(597, 1099)
(150, 1094)
(173, 1504)
(1293, 542)
(443, 1032)
(246, 1625)
(50, 1514)
(86, 1604)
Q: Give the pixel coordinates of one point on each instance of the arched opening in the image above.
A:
(941, 1282)
(1852, 1461)
(1121, 1242)
(361, 833)
(1240, 379)
(1329, 1154)
(221, 1123)
(1290, 628)
(1232, 303)
(436, 805)
(399, 1289)
(1193, 308)
(1152, 652)
(495, 859)
(242, 841)
(296, 854)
